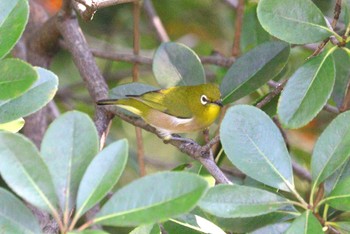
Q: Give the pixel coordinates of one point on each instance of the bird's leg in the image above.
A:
(206, 135)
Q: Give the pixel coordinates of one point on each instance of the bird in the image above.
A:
(178, 109)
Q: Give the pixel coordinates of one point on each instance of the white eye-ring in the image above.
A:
(204, 99)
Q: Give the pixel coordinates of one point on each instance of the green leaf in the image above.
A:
(255, 145)
(13, 19)
(25, 172)
(297, 21)
(102, 174)
(198, 223)
(68, 147)
(38, 95)
(254, 69)
(89, 232)
(235, 201)
(175, 64)
(152, 199)
(339, 198)
(273, 229)
(15, 217)
(252, 32)
(307, 91)
(13, 126)
(332, 149)
(243, 225)
(342, 75)
(147, 229)
(338, 176)
(16, 78)
(305, 223)
(345, 226)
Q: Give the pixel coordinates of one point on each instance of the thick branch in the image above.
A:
(85, 62)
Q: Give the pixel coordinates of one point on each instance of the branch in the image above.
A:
(201, 153)
(238, 28)
(216, 59)
(86, 64)
(157, 23)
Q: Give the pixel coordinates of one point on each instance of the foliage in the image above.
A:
(71, 174)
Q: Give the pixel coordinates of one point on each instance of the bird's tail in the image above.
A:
(105, 102)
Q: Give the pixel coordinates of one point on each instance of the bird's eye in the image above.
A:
(204, 99)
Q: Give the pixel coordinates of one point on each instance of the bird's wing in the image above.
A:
(165, 102)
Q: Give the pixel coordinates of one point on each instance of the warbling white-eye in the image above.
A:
(177, 109)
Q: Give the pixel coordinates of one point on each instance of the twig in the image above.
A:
(337, 11)
(135, 76)
(278, 89)
(218, 60)
(157, 23)
(238, 28)
(301, 172)
(87, 8)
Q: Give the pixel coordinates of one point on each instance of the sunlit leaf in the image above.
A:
(16, 78)
(297, 21)
(13, 19)
(175, 64)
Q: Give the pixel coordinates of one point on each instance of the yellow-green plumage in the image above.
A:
(174, 110)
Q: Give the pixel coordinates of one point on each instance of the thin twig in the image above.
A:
(157, 23)
(278, 89)
(238, 28)
(337, 11)
(135, 78)
(218, 60)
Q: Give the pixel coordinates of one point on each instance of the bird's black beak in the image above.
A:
(218, 102)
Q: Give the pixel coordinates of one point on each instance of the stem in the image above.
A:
(325, 211)
(304, 204)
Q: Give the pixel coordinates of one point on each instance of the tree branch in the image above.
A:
(90, 73)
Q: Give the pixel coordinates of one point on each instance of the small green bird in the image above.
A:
(177, 109)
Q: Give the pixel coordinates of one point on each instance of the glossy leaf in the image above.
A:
(255, 145)
(234, 201)
(15, 217)
(88, 232)
(13, 19)
(254, 69)
(342, 76)
(307, 91)
(297, 21)
(198, 223)
(252, 32)
(277, 228)
(344, 226)
(16, 78)
(305, 223)
(339, 198)
(332, 149)
(38, 95)
(25, 172)
(152, 199)
(146, 229)
(102, 174)
(338, 176)
(249, 224)
(68, 147)
(175, 64)
(13, 126)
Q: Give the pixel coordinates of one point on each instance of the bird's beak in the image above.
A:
(218, 102)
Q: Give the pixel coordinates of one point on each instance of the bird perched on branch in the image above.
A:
(177, 109)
